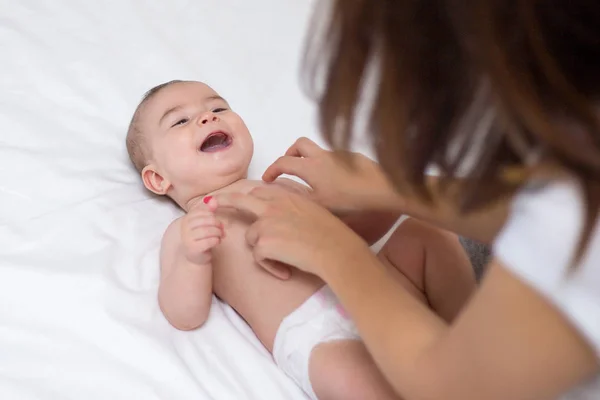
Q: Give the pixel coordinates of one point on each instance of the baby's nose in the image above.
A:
(208, 117)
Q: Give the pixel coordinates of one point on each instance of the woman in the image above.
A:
(505, 95)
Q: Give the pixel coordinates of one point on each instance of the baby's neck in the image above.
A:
(237, 186)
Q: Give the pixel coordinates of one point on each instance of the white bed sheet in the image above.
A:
(79, 236)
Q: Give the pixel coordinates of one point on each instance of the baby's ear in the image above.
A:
(154, 181)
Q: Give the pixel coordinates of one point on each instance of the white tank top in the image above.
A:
(538, 243)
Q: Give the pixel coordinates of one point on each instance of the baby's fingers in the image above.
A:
(205, 221)
(209, 243)
(207, 232)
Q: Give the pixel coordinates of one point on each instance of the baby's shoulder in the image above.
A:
(172, 233)
(171, 241)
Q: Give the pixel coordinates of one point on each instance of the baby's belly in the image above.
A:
(260, 298)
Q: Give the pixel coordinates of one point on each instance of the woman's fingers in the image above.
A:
(292, 162)
(277, 269)
(252, 233)
(241, 202)
(269, 193)
(303, 147)
(254, 202)
(289, 165)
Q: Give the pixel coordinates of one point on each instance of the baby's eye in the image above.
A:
(182, 121)
(219, 109)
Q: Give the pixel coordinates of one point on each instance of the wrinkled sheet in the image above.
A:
(79, 236)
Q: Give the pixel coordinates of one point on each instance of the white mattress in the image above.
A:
(79, 236)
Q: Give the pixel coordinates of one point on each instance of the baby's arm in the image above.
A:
(370, 225)
(185, 291)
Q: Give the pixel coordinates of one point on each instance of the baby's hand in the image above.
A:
(201, 231)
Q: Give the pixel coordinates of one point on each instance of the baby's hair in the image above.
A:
(136, 144)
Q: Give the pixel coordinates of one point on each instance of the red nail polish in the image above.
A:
(206, 199)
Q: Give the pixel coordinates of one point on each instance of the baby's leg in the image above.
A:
(431, 264)
(344, 370)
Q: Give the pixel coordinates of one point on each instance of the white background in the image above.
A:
(79, 236)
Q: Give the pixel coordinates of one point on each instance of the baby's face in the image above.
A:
(198, 144)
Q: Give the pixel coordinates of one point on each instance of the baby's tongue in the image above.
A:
(213, 147)
(214, 143)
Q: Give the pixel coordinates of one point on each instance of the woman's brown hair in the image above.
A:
(505, 84)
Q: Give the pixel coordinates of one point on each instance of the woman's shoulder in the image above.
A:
(545, 227)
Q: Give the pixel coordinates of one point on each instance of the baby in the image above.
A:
(187, 143)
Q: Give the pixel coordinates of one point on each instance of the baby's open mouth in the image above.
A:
(215, 141)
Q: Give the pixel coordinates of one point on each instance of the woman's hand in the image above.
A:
(293, 230)
(354, 193)
(337, 186)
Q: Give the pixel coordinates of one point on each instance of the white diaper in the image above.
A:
(319, 319)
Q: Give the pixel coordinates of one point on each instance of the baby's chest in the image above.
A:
(233, 254)
(234, 268)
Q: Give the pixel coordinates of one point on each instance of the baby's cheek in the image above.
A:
(238, 126)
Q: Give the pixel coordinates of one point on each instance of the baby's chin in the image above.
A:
(228, 173)
(221, 181)
(189, 186)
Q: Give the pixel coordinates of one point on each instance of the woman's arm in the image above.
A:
(348, 192)
(509, 343)
(371, 225)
